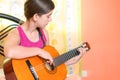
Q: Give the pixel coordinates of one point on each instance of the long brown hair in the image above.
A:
(37, 6)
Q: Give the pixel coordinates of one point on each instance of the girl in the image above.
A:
(25, 41)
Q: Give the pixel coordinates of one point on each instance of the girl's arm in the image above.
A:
(12, 49)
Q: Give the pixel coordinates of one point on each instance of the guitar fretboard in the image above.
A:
(65, 57)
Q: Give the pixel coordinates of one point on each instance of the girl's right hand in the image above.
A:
(47, 56)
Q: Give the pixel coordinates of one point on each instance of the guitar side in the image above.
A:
(22, 72)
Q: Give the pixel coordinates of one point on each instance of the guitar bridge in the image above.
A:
(32, 70)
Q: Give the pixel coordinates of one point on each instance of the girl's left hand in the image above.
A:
(77, 58)
(82, 52)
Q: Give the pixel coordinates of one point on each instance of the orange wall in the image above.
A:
(101, 28)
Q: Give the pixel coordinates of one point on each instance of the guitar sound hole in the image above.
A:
(49, 67)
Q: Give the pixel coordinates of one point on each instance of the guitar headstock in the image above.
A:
(85, 45)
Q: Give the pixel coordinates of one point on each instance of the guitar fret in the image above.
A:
(64, 57)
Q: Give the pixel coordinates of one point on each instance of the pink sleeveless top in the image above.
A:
(24, 41)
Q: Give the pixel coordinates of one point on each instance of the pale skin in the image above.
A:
(12, 48)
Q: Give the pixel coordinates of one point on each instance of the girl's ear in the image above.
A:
(35, 17)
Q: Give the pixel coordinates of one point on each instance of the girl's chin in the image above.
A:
(43, 26)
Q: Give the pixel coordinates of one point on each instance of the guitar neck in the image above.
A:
(65, 57)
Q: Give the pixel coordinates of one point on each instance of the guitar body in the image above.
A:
(17, 69)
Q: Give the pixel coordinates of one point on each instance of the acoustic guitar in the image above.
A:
(37, 68)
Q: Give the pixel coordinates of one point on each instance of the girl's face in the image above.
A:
(44, 19)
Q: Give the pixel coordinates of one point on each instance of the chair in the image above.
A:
(4, 32)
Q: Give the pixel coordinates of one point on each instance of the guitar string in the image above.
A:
(39, 67)
(42, 66)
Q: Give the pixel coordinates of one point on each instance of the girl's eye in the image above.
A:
(48, 16)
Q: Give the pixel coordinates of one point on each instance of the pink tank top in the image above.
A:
(24, 41)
